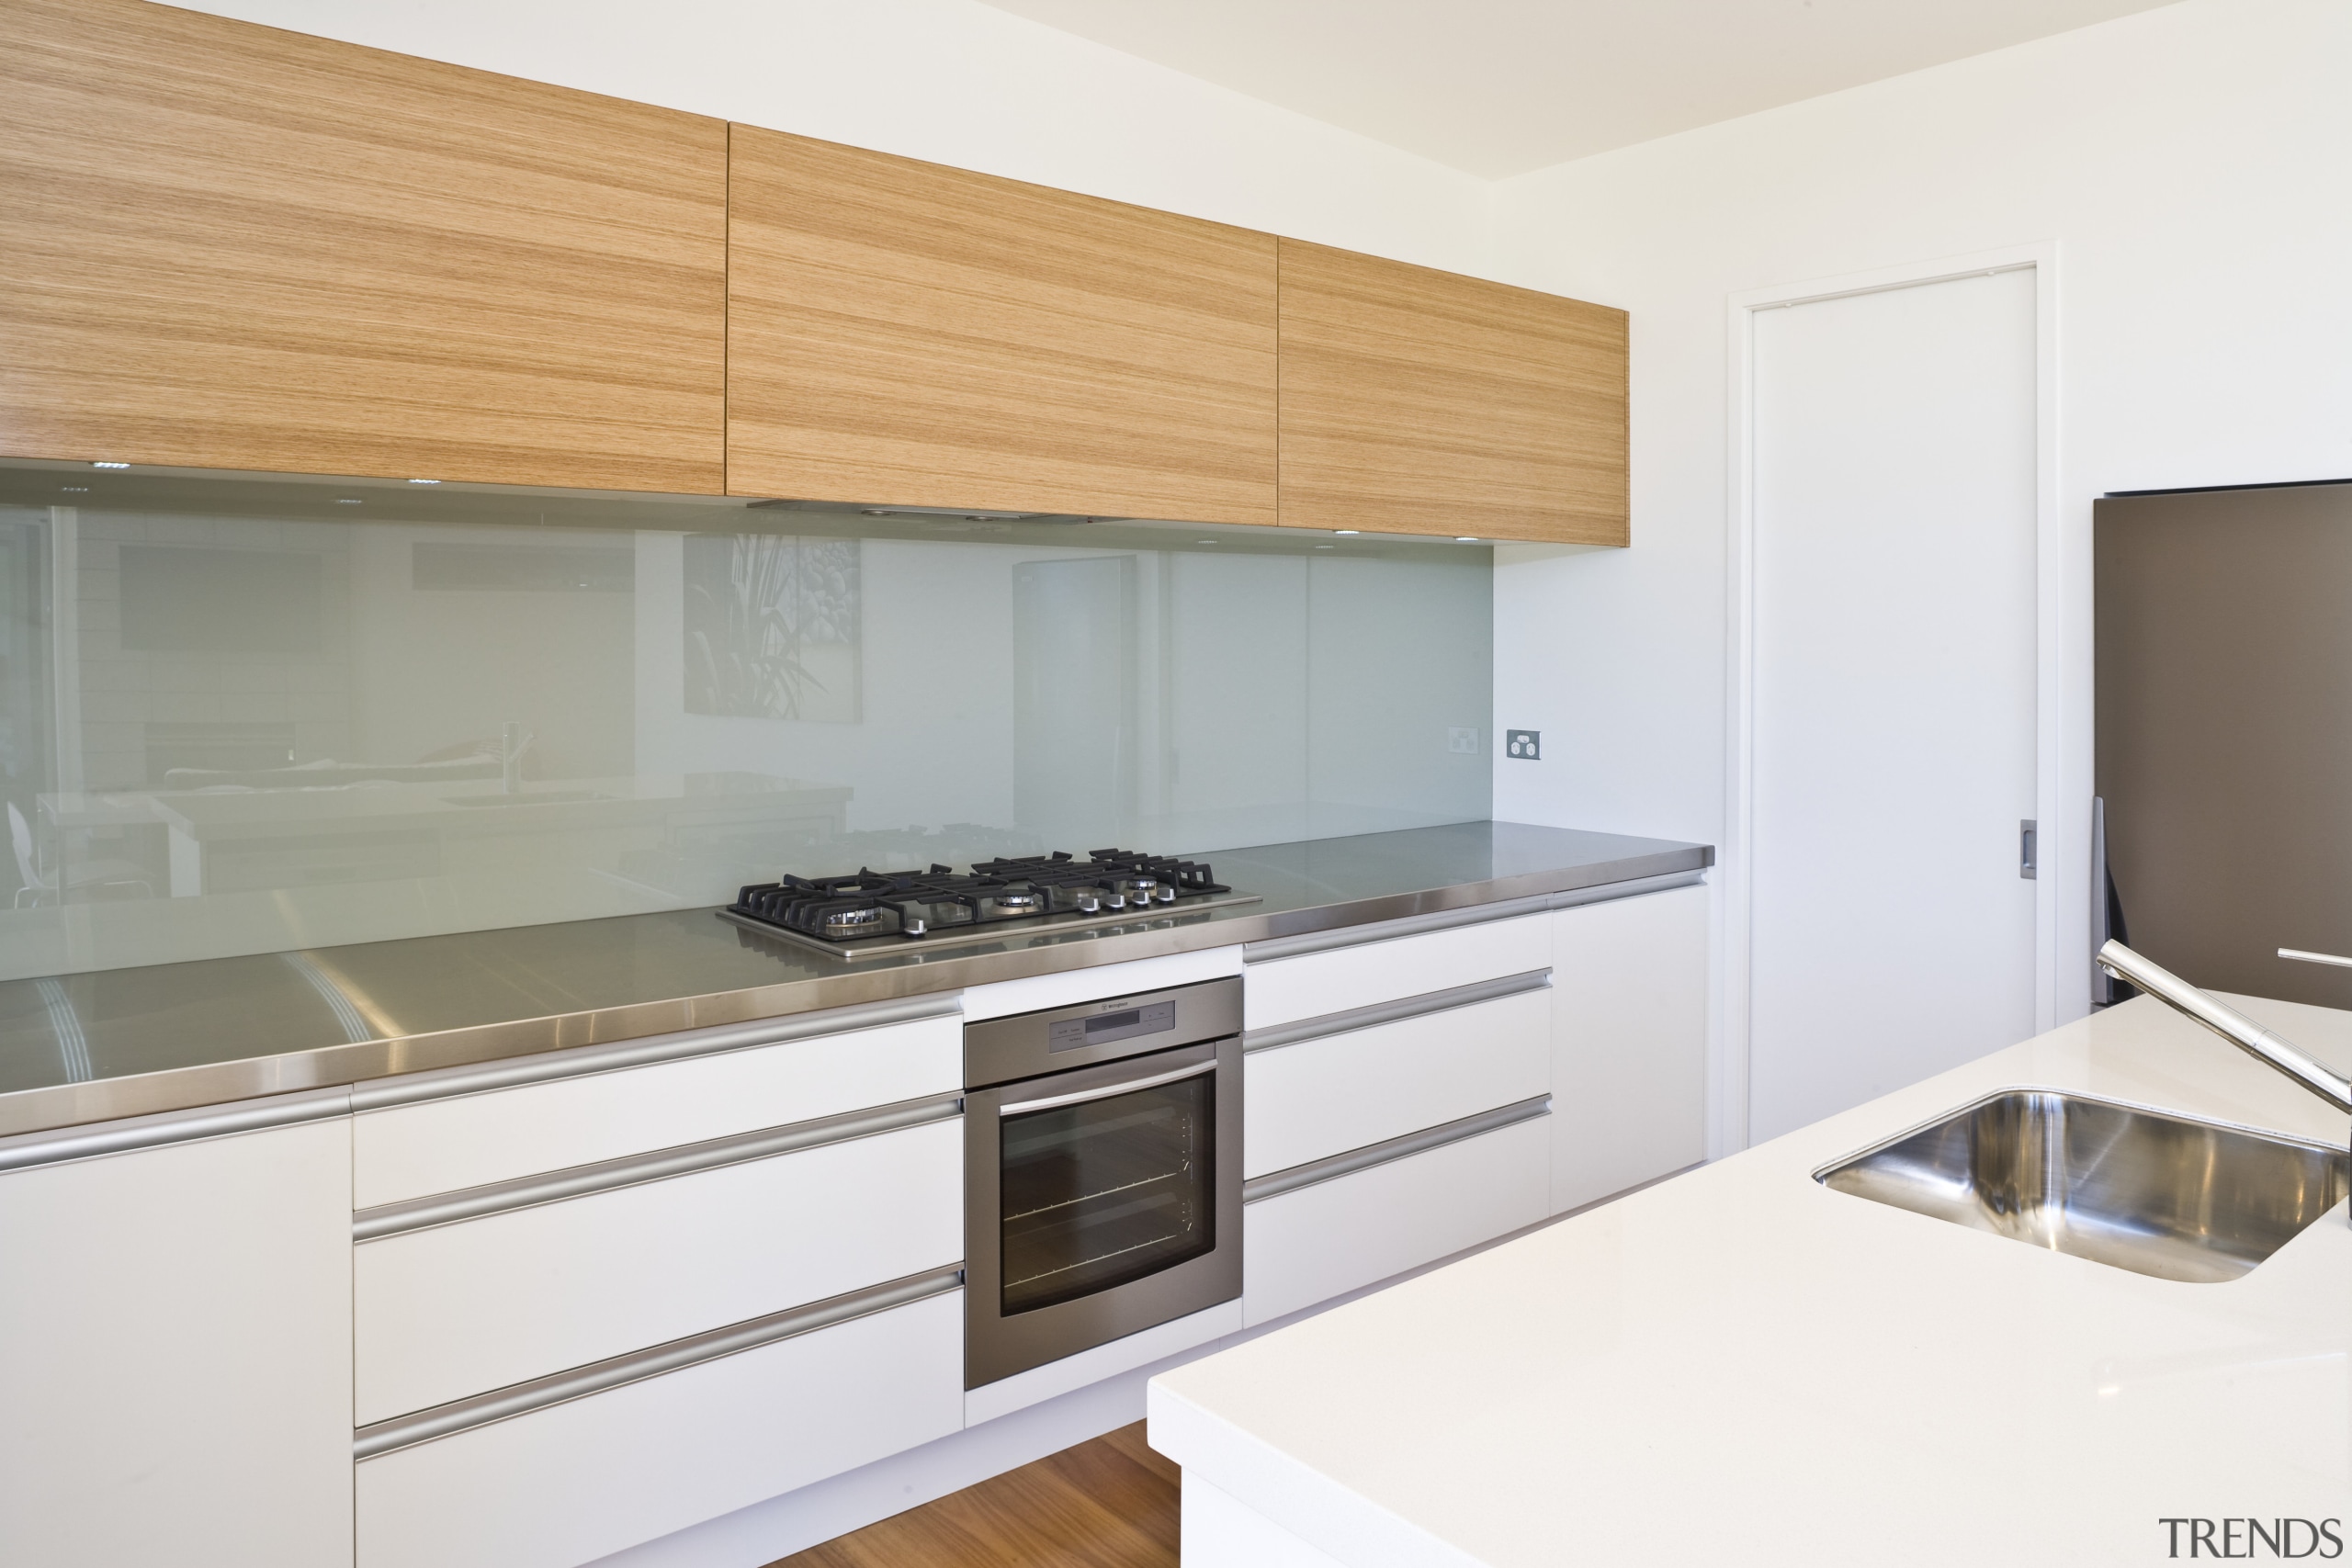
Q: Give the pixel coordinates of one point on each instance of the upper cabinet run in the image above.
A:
(230, 246)
(906, 333)
(1416, 401)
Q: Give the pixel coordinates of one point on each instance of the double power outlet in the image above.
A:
(1524, 745)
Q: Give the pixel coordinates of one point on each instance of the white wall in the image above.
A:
(956, 81)
(2191, 164)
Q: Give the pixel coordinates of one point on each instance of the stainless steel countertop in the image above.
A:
(117, 1043)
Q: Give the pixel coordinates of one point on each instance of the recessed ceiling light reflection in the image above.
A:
(110, 465)
(1346, 531)
(424, 481)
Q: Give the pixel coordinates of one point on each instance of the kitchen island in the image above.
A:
(1741, 1365)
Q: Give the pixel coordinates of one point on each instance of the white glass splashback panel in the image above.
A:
(246, 714)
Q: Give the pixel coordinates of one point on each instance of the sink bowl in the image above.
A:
(2163, 1195)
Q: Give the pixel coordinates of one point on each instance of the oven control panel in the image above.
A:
(999, 1050)
(1104, 1029)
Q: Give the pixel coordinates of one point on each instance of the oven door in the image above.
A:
(1099, 1202)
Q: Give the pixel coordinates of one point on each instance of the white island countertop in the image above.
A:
(1742, 1365)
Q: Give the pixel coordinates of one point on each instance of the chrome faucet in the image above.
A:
(2267, 1046)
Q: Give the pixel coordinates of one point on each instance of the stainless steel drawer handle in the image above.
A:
(1082, 1096)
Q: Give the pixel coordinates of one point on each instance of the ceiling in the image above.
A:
(1497, 87)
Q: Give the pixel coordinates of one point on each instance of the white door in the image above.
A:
(1891, 933)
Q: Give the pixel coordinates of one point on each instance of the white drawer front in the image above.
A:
(1283, 990)
(440, 1145)
(573, 1482)
(468, 1307)
(1325, 1097)
(1322, 1241)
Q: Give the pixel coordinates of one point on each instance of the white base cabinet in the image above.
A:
(176, 1355)
(464, 1308)
(571, 1482)
(1324, 1097)
(1629, 1043)
(1387, 969)
(405, 1152)
(1313, 1242)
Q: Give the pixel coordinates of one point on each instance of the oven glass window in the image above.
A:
(1097, 1194)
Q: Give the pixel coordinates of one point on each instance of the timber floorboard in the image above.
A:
(1110, 1503)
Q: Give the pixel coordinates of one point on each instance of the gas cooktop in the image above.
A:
(872, 912)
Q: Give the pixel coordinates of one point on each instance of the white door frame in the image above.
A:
(2057, 832)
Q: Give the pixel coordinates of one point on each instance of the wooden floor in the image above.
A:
(1108, 1504)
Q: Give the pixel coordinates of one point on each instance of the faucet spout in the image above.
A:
(2265, 1045)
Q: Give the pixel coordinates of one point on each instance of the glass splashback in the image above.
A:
(249, 714)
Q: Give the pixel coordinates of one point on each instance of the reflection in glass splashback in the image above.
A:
(251, 714)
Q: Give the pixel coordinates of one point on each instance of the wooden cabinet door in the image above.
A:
(1416, 401)
(230, 246)
(903, 333)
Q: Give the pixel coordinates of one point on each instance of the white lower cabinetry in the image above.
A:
(573, 1482)
(1629, 1043)
(1389, 968)
(176, 1355)
(467, 1140)
(190, 1334)
(1313, 1242)
(1326, 1096)
(457, 1310)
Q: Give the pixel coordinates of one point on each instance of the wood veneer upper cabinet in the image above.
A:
(1416, 401)
(231, 246)
(905, 332)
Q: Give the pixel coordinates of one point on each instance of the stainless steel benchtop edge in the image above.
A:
(335, 1064)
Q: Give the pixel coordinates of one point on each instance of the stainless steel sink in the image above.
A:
(2162, 1195)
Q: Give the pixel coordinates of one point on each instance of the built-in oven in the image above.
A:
(1101, 1172)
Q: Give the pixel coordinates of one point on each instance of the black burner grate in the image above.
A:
(916, 904)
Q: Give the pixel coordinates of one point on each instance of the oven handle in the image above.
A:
(1130, 1087)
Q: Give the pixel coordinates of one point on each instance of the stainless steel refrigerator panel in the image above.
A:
(2224, 732)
